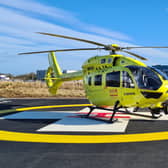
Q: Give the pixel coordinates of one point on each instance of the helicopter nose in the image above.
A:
(165, 90)
(166, 85)
(166, 93)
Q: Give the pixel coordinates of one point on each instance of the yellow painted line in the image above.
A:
(7, 111)
(42, 107)
(46, 138)
(55, 106)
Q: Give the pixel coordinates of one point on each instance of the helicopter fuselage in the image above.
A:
(112, 78)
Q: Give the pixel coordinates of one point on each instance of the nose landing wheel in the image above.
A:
(155, 112)
(165, 108)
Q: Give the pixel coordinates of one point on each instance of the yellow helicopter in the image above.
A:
(113, 80)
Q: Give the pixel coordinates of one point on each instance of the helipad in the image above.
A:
(70, 121)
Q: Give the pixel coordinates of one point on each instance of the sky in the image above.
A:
(124, 22)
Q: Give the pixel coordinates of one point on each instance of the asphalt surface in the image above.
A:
(42, 155)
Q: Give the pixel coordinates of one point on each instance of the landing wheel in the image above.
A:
(155, 112)
(165, 108)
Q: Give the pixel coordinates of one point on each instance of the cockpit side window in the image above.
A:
(127, 81)
(145, 77)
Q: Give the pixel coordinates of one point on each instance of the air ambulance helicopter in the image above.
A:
(113, 80)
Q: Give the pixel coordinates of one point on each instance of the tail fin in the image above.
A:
(54, 64)
(53, 74)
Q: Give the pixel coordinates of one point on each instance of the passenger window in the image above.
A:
(109, 60)
(113, 79)
(98, 80)
(103, 61)
(90, 80)
(127, 81)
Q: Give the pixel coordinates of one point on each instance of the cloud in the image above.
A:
(32, 7)
(104, 32)
(38, 8)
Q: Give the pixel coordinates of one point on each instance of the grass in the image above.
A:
(19, 89)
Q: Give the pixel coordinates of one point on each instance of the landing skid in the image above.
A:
(116, 109)
(98, 119)
(153, 116)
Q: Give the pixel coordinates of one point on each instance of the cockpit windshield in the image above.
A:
(161, 73)
(145, 77)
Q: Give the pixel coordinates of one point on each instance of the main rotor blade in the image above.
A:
(135, 55)
(128, 48)
(76, 49)
(73, 38)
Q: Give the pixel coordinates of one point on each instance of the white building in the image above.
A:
(4, 78)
